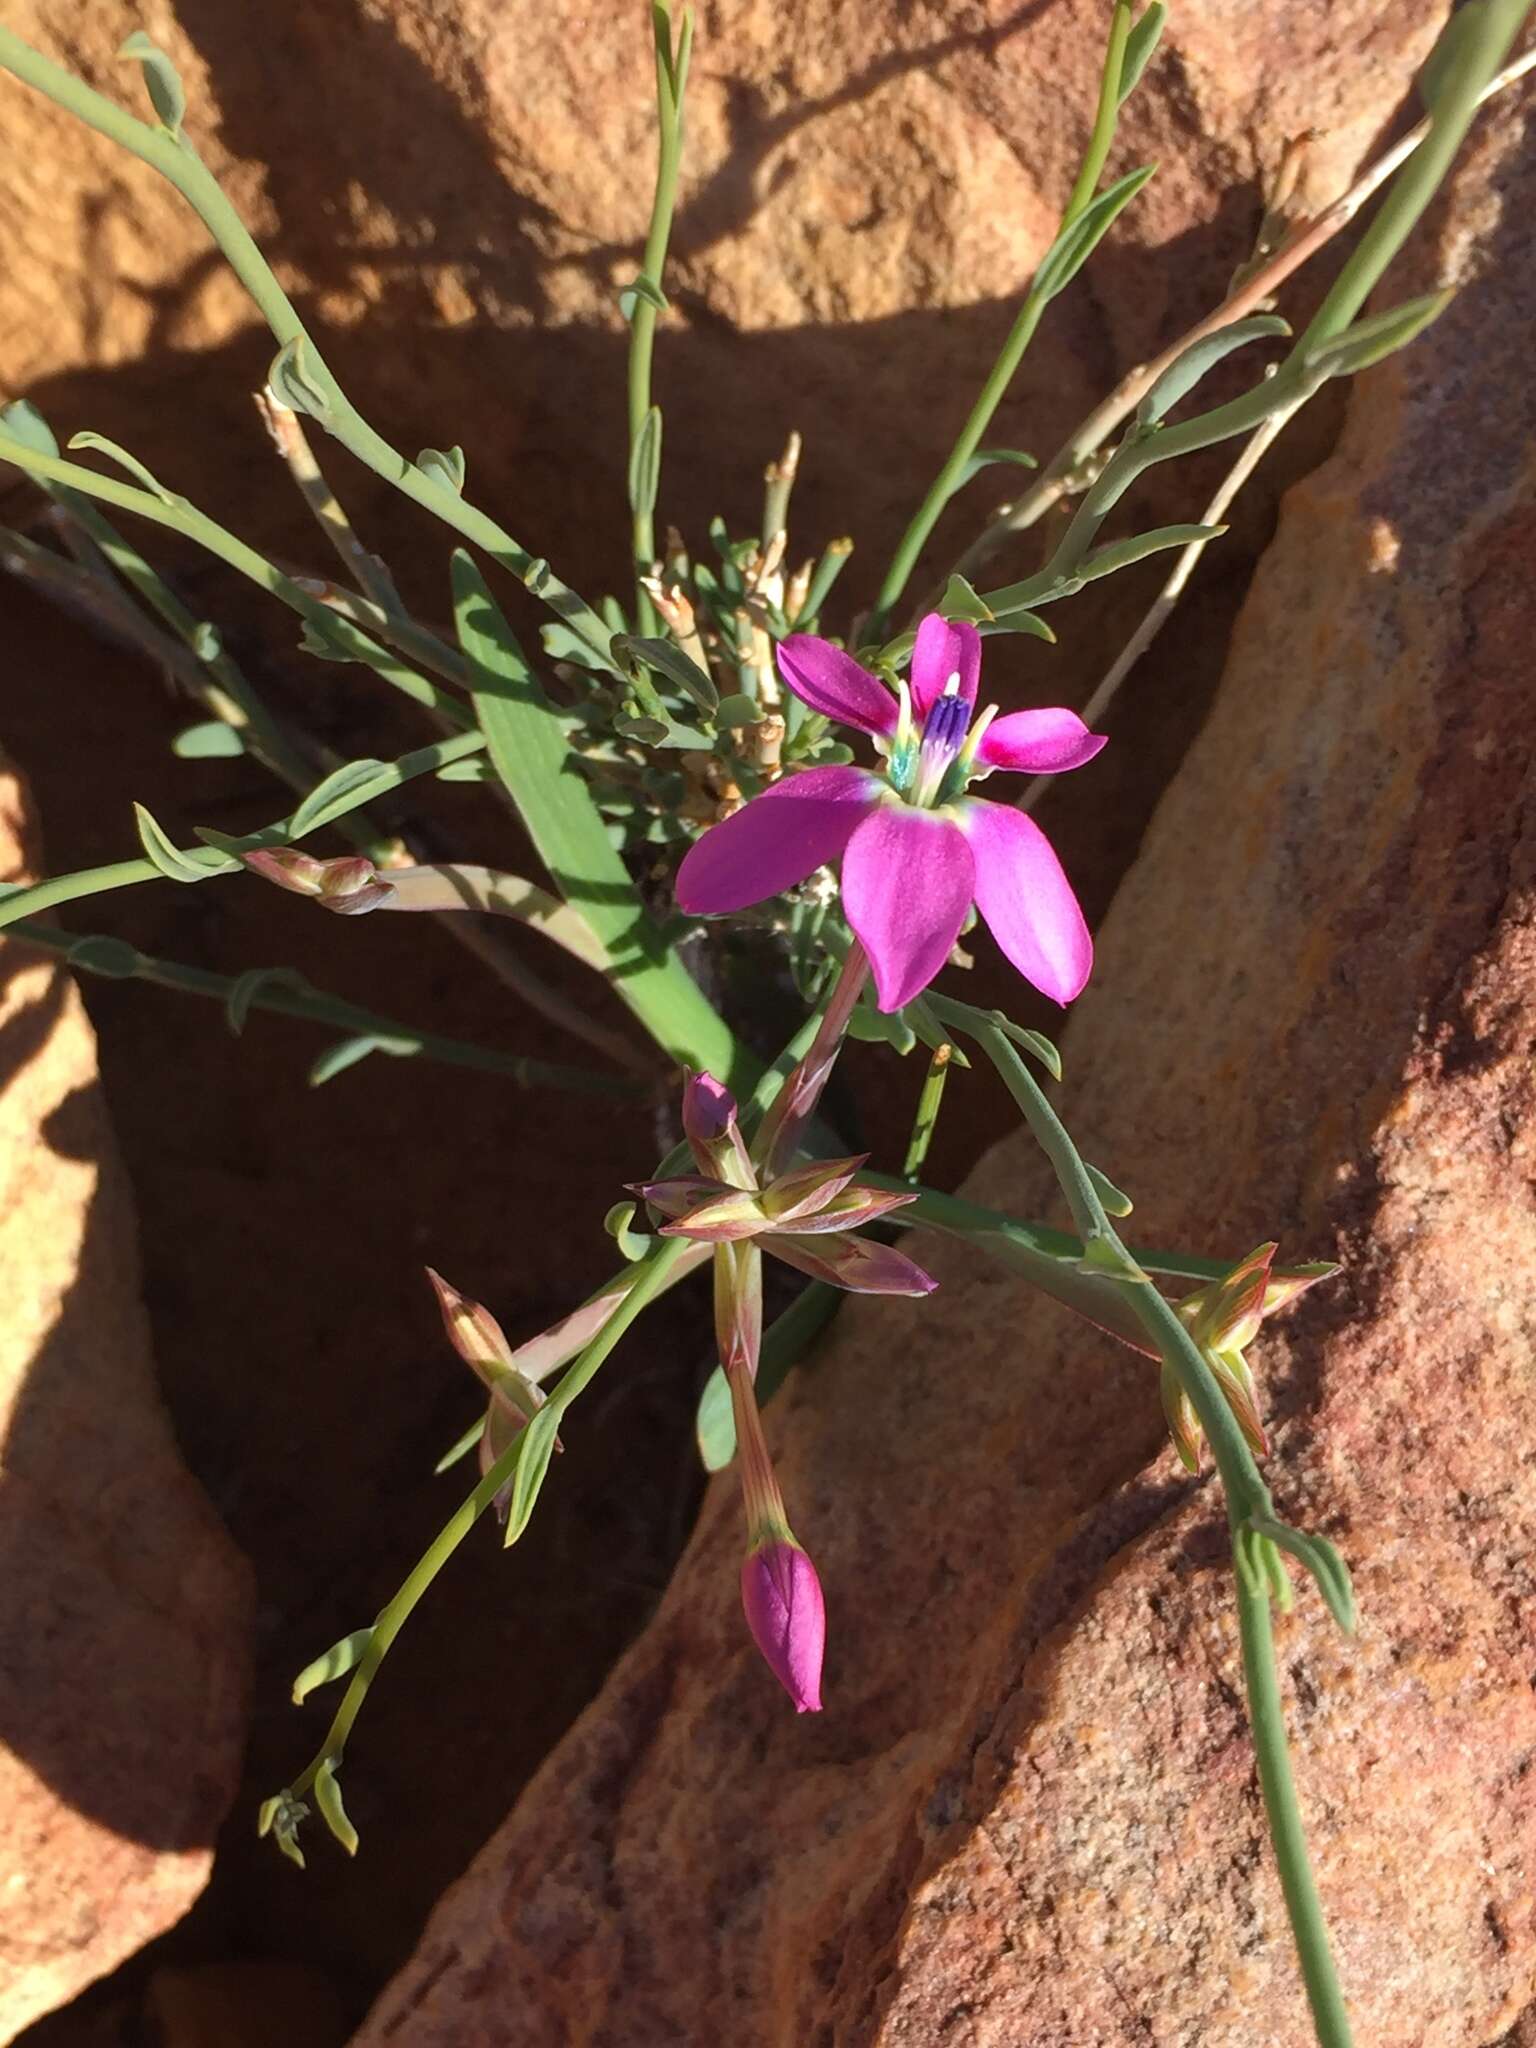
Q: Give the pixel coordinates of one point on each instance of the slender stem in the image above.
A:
(779, 1134)
(671, 79)
(293, 998)
(182, 517)
(124, 874)
(1484, 38)
(411, 637)
(1258, 445)
(176, 161)
(292, 443)
(928, 1103)
(651, 1277)
(1020, 334)
(1277, 1782)
(398, 1611)
(1062, 474)
(1246, 1495)
(1105, 114)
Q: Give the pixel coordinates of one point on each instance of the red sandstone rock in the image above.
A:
(123, 1607)
(1028, 1814)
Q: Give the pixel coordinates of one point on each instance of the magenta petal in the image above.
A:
(859, 1265)
(1027, 900)
(787, 1615)
(777, 840)
(908, 879)
(943, 650)
(1039, 742)
(834, 684)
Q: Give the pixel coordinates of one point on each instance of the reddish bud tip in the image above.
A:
(787, 1616)
(472, 1330)
(349, 885)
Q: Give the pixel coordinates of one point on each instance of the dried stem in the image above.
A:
(1157, 617)
(292, 443)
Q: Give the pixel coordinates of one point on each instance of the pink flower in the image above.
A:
(787, 1616)
(917, 852)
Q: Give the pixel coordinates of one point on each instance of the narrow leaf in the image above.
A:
(101, 954)
(536, 1446)
(162, 81)
(444, 466)
(124, 460)
(1077, 242)
(645, 466)
(985, 458)
(1115, 1203)
(348, 1051)
(22, 419)
(342, 790)
(335, 1662)
(670, 661)
(245, 988)
(1121, 554)
(1139, 46)
(1451, 45)
(175, 865)
(211, 741)
(332, 1812)
(1381, 335)
(292, 381)
(1186, 371)
(960, 601)
(1319, 1557)
(641, 288)
(461, 1447)
(529, 749)
(1034, 1042)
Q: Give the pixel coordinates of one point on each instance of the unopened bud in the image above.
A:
(348, 885)
(472, 1331)
(782, 1599)
(674, 606)
(714, 1137)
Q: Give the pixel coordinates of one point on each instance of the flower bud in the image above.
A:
(473, 1331)
(348, 885)
(782, 1599)
(714, 1138)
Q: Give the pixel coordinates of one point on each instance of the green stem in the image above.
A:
(124, 874)
(1308, 1927)
(398, 1611)
(1482, 47)
(1105, 114)
(1246, 1495)
(176, 161)
(1485, 35)
(671, 80)
(927, 1116)
(311, 1004)
(650, 1279)
(184, 518)
(1020, 334)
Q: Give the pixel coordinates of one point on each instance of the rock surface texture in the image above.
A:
(123, 1607)
(866, 190)
(1028, 1814)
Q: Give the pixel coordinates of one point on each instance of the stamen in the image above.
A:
(943, 736)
